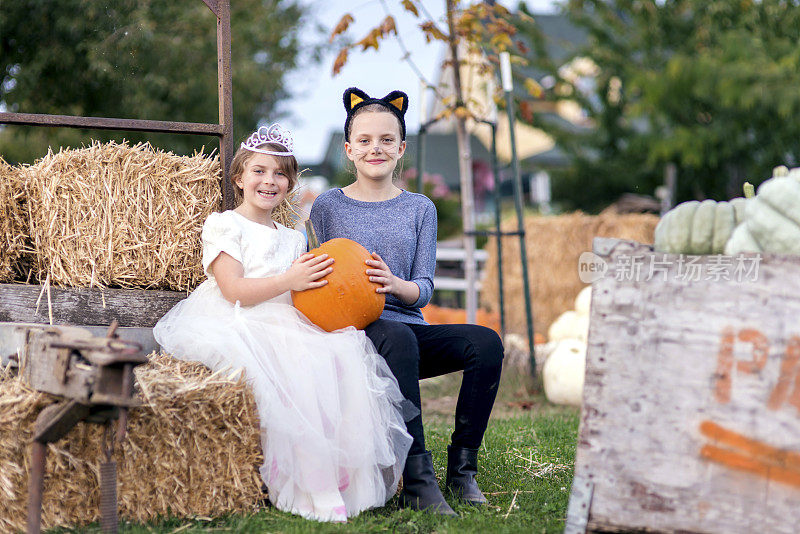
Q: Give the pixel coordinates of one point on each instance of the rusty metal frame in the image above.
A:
(223, 130)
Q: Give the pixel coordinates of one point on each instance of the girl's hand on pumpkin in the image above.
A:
(381, 274)
(407, 292)
(307, 270)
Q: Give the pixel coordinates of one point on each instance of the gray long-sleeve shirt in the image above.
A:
(402, 230)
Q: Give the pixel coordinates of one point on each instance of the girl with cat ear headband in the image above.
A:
(399, 227)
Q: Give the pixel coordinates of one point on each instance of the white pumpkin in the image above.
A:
(569, 325)
(563, 372)
(583, 301)
(772, 217)
(695, 227)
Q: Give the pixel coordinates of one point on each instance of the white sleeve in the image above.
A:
(220, 234)
(301, 245)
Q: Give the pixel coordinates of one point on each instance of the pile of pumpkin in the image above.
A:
(764, 221)
(564, 367)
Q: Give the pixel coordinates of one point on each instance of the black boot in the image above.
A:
(420, 488)
(462, 466)
(264, 501)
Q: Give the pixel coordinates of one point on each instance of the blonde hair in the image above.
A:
(287, 164)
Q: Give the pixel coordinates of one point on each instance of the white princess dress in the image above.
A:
(331, 413)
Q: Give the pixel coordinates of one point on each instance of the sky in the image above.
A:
(316, 110)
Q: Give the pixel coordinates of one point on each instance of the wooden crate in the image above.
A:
(691, 407)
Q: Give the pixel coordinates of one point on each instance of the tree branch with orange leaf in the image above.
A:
(469, 30)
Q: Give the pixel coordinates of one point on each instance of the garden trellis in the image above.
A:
(518, 207)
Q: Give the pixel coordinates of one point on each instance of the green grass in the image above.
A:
(525, 470)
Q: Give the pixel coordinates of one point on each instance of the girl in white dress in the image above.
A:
(331, 413)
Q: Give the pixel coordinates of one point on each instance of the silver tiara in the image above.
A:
(274, 133)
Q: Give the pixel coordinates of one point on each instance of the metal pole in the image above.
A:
(421, 157)
(35, 486)
(497, 182)
(507, 88)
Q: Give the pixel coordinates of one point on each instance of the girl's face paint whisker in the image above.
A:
(393, 153)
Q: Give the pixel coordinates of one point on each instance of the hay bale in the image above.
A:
(13, 224)
(554, 245)
(193, 448)
(113, 215)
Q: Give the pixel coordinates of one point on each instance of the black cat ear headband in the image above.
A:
(396, 102)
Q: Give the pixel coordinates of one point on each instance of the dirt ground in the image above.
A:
(519, 393)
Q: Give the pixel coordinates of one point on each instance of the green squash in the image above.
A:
(695, 227)
(772, 218)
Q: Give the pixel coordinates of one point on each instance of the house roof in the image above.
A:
(441, 156)
(561, 36)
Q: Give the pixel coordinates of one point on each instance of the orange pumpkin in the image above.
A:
(349, 298)
(440, 315)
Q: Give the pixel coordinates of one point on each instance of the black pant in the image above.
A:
(415, 351)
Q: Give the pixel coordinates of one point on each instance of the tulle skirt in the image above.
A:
(331, 413)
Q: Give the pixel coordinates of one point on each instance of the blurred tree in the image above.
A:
(708, 86)
(146, 59)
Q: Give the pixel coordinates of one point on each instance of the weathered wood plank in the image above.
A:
(691, 411)
(84, 306)
(108, 123)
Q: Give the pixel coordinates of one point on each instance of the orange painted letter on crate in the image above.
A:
(724, 375)
(722, 391)
(789, 374)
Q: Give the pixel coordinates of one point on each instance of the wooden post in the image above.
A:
(670, 187)
(465, 175)
(225, 88)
